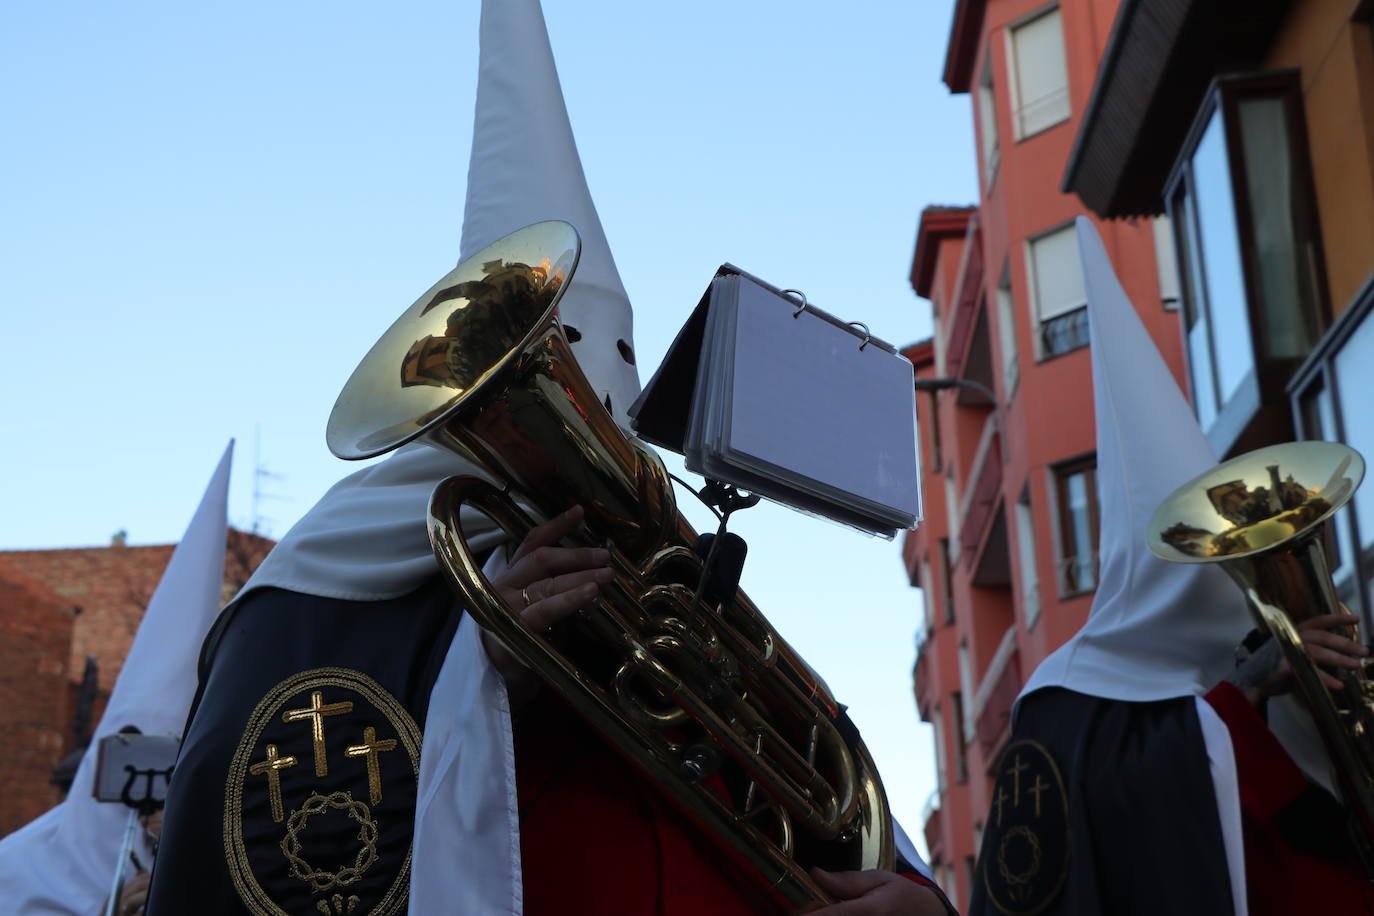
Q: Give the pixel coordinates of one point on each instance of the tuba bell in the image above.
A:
(1261, 517)
(686, 690)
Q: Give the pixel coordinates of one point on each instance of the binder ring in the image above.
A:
(868, 335)
(801, 308)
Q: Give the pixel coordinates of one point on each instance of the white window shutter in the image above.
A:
(1058, 275)
(1042, 81)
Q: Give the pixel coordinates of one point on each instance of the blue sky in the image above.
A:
(209, 211)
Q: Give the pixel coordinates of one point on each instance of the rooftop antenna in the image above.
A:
(261, 474)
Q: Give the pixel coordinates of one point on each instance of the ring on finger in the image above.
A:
(525, 593)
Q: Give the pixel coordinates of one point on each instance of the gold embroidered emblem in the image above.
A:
(272, 767)
(1026, 841)
(331, 840)
(367, 836)
(316, 713)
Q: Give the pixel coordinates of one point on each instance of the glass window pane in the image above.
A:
(1195, 317)
(1080, 531)
(1030, 577)
(1282, 245)
(1224, 278)
(1006, 334)
(987, 122)
(1351, 367)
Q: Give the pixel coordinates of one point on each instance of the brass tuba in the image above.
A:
(684, 690)
(1261, 517)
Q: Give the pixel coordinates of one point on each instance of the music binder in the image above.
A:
(764, 391)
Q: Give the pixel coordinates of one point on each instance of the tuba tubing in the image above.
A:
(1266, 531)
(705, 699)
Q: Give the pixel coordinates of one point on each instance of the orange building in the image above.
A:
(1006, 556)
(1226, 153)
(1254, 131)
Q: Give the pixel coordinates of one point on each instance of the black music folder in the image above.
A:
(766, 392)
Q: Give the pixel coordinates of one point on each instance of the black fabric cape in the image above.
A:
(1136, 832)
(273, 809)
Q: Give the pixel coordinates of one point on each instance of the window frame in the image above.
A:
(988, 158)
(1018, 132)
(1075, 318)
(1028, 558)
(1316, 377)
(1064, 541)
(961, 767)
(1008, 350)
(946, 583)
(1264, 383)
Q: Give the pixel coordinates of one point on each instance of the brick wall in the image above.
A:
(56, 608)
(35, 648)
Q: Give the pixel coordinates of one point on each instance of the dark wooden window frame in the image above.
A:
(1065, 551)
(1264, 385)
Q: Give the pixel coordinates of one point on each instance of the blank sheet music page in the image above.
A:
(807, 400)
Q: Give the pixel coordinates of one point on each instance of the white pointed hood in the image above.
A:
(524, 169)
(1156, 629)
(365, 540)
(64, 861)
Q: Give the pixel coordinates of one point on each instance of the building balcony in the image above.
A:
(995, 697)
(935, 829)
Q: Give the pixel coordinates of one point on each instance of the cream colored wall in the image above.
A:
(1336, 59)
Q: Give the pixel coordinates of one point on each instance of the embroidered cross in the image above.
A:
(1016, 768)
(316, 712)
(998, 801)
(273, 766)
(371, 748)
(1035, 789)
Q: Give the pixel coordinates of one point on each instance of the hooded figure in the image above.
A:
(1122, 790)
(301, 786)
(1113, 713)
(64, 861)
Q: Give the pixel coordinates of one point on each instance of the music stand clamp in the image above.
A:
(147, 803)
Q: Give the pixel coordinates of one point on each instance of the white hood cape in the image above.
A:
(1156, 630)
(63, 863)
(366, 539)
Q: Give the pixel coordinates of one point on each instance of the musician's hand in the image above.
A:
(1323, 647)
(133, 895)
(545, 583)
(875, 893)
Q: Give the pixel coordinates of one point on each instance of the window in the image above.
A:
(941, 781)
(938, 335)
(1040, 81)
(1246, 241)
(1006, 333)
(927, 598)
(1166, 264)
(937, 462)
(965, 722)
(956, 703)
(1056, 284)
(952, 515)
(1328, 403)
(1025, 542)
(987, 122)
(946, 588)
(1075, 486)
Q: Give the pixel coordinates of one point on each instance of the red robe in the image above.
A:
(595, 838)
(1281, 879)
